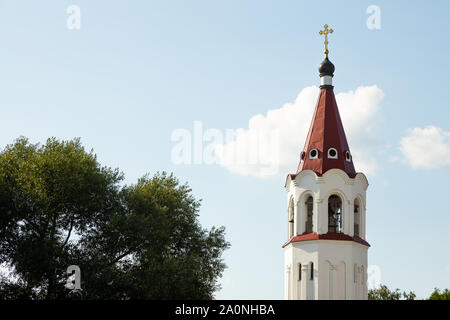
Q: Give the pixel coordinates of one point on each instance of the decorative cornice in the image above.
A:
(321, 178)
(327, 236)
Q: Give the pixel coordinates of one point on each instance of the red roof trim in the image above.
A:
(327, 236)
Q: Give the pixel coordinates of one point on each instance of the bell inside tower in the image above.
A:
(334, 214)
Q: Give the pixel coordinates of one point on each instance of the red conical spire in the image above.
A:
(326, 146)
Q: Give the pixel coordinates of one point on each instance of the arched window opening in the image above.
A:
(299, 272)
(334, 214)
(291, 218)
(356, 218)
(312, 271)
(348, 156)
(309, 215)
(313, 154)
(332, 153)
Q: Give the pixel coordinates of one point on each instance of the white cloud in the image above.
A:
(274, 141)
(428, 147)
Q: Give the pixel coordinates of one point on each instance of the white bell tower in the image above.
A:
(325, 256)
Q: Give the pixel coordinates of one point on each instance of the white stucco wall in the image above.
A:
(334, 266)
(334, 260)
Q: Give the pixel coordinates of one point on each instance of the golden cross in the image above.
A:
(326, 31)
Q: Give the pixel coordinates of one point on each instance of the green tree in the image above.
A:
(384, 293)
(60, 207)
(438, 295)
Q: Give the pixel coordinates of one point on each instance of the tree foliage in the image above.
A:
(384, 293)
(60, 207)
(438, 295)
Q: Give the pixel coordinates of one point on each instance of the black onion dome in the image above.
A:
(326, 68)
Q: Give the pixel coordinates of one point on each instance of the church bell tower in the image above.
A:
(325, 256)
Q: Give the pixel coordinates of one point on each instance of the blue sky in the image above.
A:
(138, 70)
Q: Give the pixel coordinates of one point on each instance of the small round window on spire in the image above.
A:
(313, 154)
(348, 156)
(332, 153)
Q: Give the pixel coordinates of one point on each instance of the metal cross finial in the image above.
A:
(326, 31)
